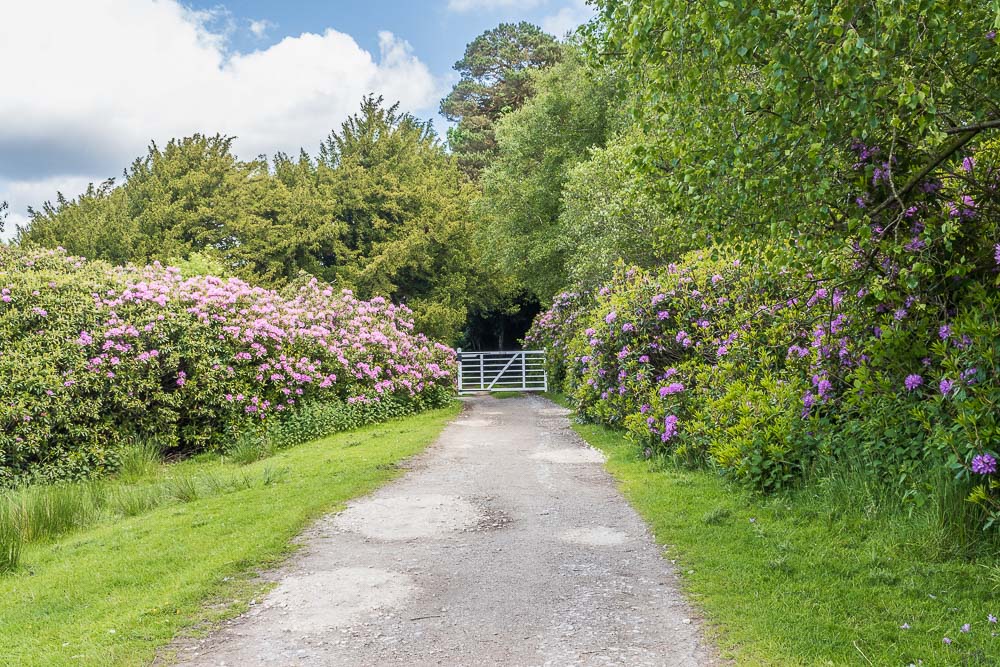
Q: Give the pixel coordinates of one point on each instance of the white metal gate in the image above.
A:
(520, 370)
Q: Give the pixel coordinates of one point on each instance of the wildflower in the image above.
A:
(966, 628)
(672, 388)
(669, 427)
(912, 382)
(947, 641)
(946, 386)
(991, 619)
(944, 332)
(984, 464)
(904, 626)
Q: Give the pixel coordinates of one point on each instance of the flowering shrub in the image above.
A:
(769, 361)
(92, 355)
(553, 329)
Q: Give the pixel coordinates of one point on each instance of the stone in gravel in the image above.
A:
(597, 536)
(336, 597)
(408, 517)
(570, 455)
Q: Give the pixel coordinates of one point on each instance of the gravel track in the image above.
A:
(506, 543)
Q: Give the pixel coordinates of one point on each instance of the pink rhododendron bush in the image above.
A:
(777, 365)
(92, 356)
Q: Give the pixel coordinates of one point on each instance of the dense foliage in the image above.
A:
(539, 144)
(496, 78)
(381, 210)
(807, 279)
(95, 356)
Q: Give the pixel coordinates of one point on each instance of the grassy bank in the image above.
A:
(115, 591)
(801, 580)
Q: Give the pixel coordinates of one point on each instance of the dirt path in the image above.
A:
(506, 544)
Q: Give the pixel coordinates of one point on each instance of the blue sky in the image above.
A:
(438, 32)
(97, 81)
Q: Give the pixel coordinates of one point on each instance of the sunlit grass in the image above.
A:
(831, 575)
(197, 531)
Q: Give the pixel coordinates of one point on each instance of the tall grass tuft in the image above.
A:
(183, 488)
(11, 540)
(139, 459)
(129, 500)
(49, 511)
(249, 448)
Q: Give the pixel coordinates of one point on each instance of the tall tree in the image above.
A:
(382, 210)
(496, 78)
(407, 229)
(573, 110)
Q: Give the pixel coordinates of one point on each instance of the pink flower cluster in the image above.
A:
(149, 348)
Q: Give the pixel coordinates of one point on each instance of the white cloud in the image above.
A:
(470, 5)
(90, 84)
(22, 194)
(259, 28)
(568, 18)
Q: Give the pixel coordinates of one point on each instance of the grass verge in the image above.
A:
(113, 593)
(794, 580)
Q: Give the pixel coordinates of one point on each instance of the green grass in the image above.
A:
(507, 394)
(181, 552)
(796, 580)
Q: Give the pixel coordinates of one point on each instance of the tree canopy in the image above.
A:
(381, 210)
(496, 78)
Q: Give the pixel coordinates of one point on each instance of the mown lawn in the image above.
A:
(789, 581)
(115, 592)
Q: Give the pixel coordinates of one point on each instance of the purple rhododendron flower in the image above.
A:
(946, 386)
(912, 381)
(984, 464)
(669, 427)
(611, 317)
(672, 388)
